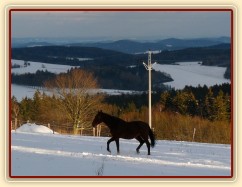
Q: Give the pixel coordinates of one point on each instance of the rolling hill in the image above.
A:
(125, 46)
(117, 70)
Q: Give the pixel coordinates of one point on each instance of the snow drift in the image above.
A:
(33, 128)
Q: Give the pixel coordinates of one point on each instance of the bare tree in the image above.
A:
(73, 91)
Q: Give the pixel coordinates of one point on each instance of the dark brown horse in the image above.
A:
(127, 130)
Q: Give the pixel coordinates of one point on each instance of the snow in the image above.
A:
(22, 91)
(114, 91)
(79, 59)
(192, 74)
(146, 52)
(34, 66)
(33, 128)
(47, 154)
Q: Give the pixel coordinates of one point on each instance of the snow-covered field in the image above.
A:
(36, 151)
(34, 66)
(192, 74)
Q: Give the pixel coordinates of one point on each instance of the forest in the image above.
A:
(108, 77)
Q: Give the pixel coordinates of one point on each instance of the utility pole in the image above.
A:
(149, 68)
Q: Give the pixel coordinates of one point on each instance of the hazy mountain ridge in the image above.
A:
(126, 46)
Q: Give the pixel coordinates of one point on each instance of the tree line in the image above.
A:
(175, 113)
(211, 103)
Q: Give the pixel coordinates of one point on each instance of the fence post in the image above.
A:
(15, 123)
(99, 130)
(93, 131)
(194, 132)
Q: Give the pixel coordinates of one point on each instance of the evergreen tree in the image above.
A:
(220, 107)
(228, 105)
(185, 103)
(208, 105)
(36, 106)
(164, 100)
(25, 109)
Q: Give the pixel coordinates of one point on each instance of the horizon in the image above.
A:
(87, 40)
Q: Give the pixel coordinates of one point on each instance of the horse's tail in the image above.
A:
(152, 137)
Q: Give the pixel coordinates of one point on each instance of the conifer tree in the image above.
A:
(25, 106)
(209, 105)
(164, 99)
(35, 108)
(220, 106)
(185, 103)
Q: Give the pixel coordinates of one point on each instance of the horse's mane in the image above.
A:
(114, 118)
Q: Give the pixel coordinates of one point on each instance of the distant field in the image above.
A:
(34, 66)
(193, 74)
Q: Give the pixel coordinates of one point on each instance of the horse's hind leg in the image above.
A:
(117, 144)
(108, 142)
(141, 141)
(148, 146)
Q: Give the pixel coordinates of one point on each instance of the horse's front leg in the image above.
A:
(117, 144)
(108, 142)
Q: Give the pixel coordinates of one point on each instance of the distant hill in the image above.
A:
(132, 47)
(216, 55)
(127, 46)
(30, 44)
(71, 55)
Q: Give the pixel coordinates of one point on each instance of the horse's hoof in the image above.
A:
(137, 151)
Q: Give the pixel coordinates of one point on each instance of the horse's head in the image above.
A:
(98, 119)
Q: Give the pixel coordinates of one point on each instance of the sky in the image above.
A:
(116, 25)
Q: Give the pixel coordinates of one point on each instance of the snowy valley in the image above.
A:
(183, 73)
